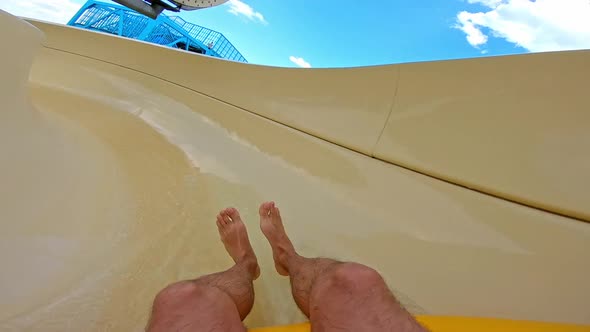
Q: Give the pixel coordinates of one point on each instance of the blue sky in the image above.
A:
(331, 33)
(339, 34)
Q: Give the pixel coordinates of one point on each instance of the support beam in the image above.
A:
(141, 7)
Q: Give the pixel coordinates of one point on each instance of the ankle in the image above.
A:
(248, 260)
(288, 259)
(248, 263)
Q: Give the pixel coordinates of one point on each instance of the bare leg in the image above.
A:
(215, 302)
(335, 296)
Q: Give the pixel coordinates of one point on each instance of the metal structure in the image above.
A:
(171, 31)
(153, 8)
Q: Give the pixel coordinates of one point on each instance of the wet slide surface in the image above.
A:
(112, 179)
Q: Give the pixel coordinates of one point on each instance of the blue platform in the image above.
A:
(171, 31)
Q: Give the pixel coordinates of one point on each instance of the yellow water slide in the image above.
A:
(465, 183)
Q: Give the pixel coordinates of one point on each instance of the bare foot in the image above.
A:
(234, 236)
(271, 225)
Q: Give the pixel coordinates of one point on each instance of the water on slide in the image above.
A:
(111, 180)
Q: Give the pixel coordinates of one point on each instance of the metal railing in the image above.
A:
(171, 31)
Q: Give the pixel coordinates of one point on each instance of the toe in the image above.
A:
(224, 218)
(262, 209)
(233, 213)
(227, 214)
(265, 208)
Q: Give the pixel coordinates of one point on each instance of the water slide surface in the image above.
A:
(464, 182)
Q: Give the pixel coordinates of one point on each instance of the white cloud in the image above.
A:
(59, 11)
(474, 35)
(238, 7)
(536, 25)
(300, 62)
(489, 3)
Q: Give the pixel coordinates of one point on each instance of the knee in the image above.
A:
(351, 277)
(180, 292)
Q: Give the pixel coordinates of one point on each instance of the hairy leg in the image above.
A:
(215, 302)
(335, 296)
